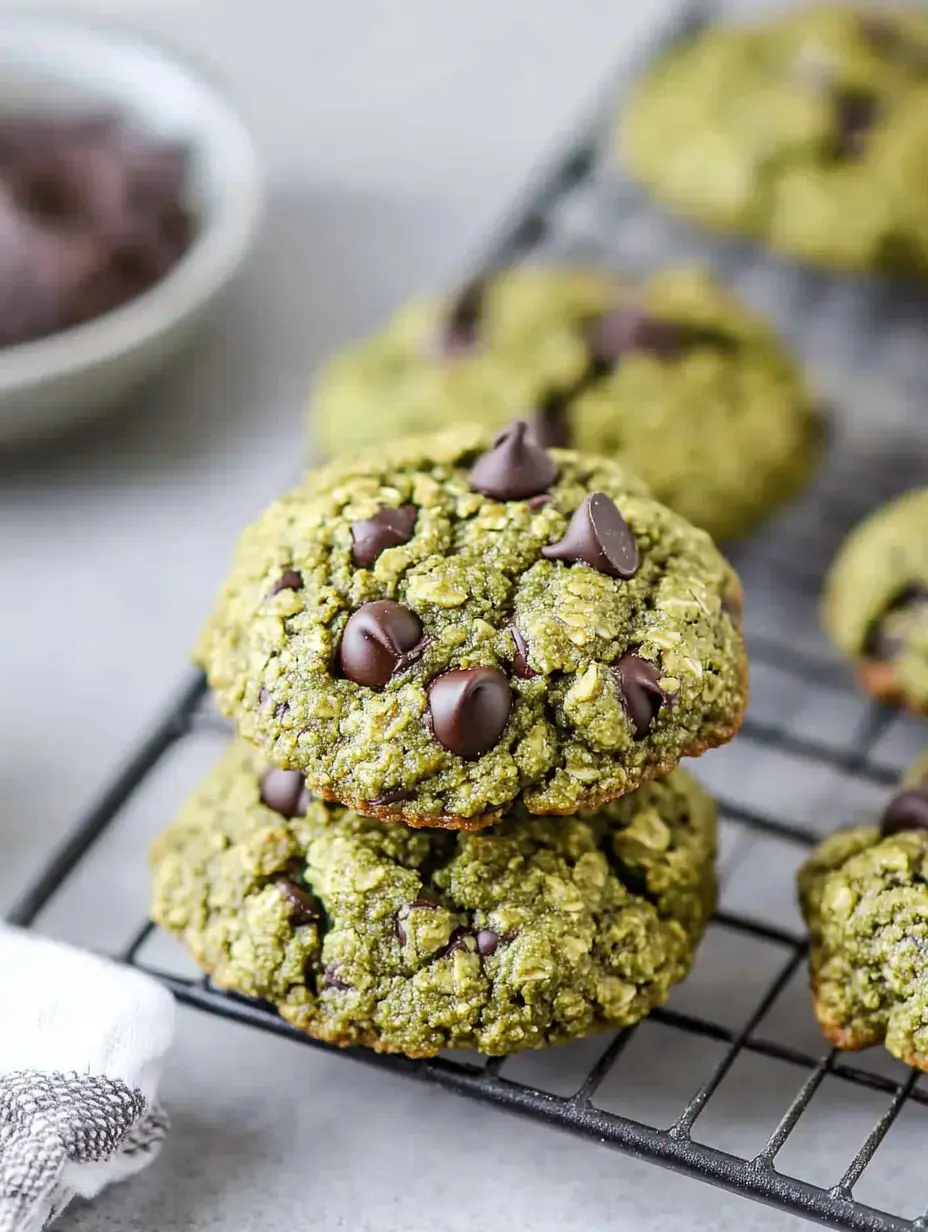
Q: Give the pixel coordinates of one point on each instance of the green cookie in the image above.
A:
(809, 130)
(876, 601)
(674, 378)
(359, 932)
(439, 629)
(864, 895)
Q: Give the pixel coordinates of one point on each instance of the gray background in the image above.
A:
(392, 136)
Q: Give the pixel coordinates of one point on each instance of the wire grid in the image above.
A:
(865, 346)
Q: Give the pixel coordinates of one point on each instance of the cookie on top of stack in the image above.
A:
(463, 672)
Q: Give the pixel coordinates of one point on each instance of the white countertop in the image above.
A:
(392, 136)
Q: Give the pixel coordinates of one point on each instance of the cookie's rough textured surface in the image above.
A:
(864, 895)
(463, 671)
(360, 932)
(810, 130)
(673, 377)
(876, 601)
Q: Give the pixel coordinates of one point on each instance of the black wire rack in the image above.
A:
(864, 343)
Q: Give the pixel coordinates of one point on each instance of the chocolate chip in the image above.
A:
(487, 942)
(136, 264)
(461, 326)
(879, 31)
(460, 939)
(285, 792)
(50, 192)
(906, 811)
(70, 205)
(549, 426)
(175, 228)
(331, 978)
(303, 907)
(288, 580)
(642, 696)
(424, 902)
(515, 468)
(887, 637)
(626, 328)
(598, 536)
(469, 709)
(387, 528)
(160, 172)
(856, 112)
(394, 796)
(887, 38)
(377, 637)
(520, 663)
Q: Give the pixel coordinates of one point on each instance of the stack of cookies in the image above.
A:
(463, 672)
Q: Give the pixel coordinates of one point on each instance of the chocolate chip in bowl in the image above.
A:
(93, 212)
(129, 197)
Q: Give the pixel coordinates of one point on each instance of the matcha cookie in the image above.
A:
(810, 131)
(864, 894)
(541, 929)
(673, 377)
(444, 627)
(876, 602)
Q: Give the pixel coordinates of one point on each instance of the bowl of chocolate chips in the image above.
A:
(129, 198)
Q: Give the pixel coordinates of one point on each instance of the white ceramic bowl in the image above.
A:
(84, 372)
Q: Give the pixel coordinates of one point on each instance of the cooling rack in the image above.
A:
(865, 345)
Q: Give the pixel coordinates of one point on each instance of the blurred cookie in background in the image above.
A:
(809, 130)
(673, 377)
(876, 602)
